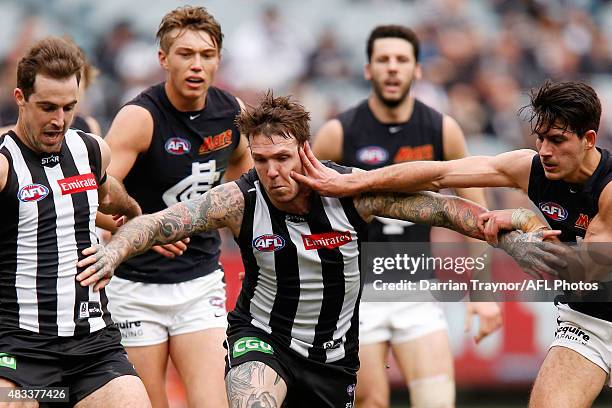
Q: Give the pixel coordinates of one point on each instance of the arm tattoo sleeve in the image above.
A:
(426, 208)
(223, 206)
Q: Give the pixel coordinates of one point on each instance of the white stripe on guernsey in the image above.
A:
(311, 286)
(67, 256)
(27, 243)
(352, 278)
(266, 285)
(81, 159)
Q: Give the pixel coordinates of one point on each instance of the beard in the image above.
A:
(390, 103)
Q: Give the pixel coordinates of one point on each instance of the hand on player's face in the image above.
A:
(326, 181)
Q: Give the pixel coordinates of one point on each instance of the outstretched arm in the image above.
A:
(528, 248)
(223, 206)
(509, 169)
(423, 208)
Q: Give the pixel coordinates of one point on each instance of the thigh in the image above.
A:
(151, 363)
(374, 322)
(140, 311)
(200, 305)
(425, 356)
(372, 383)
(199, 359)
(4, 384)
(121, 392)
(93, 361)
(566, 380)
(255, 384)
(412, 320)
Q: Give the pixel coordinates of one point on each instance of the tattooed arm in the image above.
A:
(528, 249)
(423, 208)
(223, 206)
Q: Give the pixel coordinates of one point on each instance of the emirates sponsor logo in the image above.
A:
(79, 183)
(329, 240)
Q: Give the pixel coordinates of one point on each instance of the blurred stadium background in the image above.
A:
(479, 59)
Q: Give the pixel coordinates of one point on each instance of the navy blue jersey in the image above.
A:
(370, 144)
(570, 208)
(188, 155)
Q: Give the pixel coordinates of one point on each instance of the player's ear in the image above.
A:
(163, 59)
(418, 72)
(367, 73)
(590, 138)
(19, 97)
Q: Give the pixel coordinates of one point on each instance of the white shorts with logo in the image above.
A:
(589, 336)
(397, 322)
(148, 313)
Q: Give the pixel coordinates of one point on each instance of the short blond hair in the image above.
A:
(192, 18)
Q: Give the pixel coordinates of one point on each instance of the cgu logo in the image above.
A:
(372, 155)
(268, 243)
(553, 211)
(177, 146)
(32, 192)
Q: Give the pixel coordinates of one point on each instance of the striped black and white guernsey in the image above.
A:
(302, 280)
(49, 209)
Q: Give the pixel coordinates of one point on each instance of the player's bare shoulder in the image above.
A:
(132, 126)
(329, 140)
(516, 165)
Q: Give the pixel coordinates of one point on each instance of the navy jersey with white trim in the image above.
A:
(370, 144)
(188, 155)
(570, 208)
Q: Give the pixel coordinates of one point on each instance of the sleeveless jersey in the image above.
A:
(370, 144)
(189, 154)
(302, 283)
(570, 208)
(49, 209)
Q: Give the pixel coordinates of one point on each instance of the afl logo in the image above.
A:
(553, 211)
(32, 192)
(177, 146)
(372, 155)
(268, 243)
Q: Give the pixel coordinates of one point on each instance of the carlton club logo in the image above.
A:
(216, 142)
(372, 155)
(268, 243)
(177, 146)
(32, 192)
(77, 184)
(553, 211)
(329, 240)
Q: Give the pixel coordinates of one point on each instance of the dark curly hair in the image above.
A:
(570, 105)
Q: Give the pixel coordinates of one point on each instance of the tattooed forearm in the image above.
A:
(220, 207)
(118, 201)
(249, 386)
(426, 208)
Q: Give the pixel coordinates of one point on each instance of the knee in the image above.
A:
(433, 392)
(372, 398)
